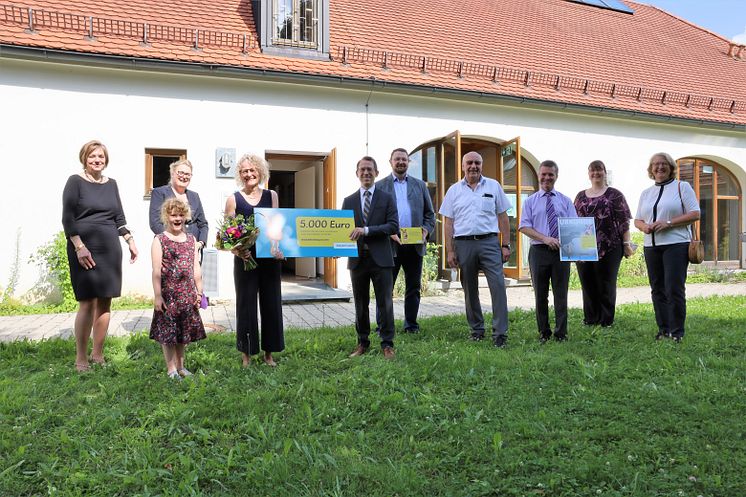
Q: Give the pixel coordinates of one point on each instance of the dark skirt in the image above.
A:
(105, 279)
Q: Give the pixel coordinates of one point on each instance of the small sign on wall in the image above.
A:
(225, 162)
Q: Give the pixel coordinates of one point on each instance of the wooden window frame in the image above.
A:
(698, 163)
(156, 152)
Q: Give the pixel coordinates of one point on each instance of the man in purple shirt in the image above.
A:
(539, 221)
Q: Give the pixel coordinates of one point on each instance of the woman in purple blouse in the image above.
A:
(610, 210)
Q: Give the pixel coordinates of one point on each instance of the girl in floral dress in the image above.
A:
(177, 285)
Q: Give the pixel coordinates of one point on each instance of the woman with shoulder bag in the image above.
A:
(664, 214)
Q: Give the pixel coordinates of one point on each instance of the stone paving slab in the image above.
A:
(221, 317)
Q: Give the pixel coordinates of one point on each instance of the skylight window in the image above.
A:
(616, 5)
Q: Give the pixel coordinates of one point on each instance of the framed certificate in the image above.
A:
(305, 232)
(577, 236)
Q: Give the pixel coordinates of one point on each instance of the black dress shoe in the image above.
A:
(476, 338)
(560, 338)
(662, 335)
(500, 341)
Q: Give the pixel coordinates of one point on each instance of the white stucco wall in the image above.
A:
(50, 110)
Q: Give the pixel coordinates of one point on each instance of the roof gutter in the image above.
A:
(191, 68)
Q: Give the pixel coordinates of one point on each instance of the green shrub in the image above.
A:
(55, 286)
(429, 273)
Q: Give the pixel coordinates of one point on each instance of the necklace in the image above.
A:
(253, 194)
(91, 178)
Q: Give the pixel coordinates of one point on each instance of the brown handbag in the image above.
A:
(696, 247)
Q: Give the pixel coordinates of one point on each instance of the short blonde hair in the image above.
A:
(175, 206)
(88, 148)
(667, 158)
(262, 166)
(180, 162)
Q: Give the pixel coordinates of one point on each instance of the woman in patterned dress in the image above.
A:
(177, 285)
(609, 208)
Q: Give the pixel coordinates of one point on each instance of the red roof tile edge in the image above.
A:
(245, 42)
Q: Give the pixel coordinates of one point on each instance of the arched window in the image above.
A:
(438, 164)
(719, 197)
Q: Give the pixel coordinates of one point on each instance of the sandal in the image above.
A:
(174, 375)
(82, 368)
(184, 372)
(99, 362)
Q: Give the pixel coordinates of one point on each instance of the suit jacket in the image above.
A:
(197, 226)
(382, 223)
(420, 204)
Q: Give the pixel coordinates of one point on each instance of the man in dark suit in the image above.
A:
(415, 210)
(375, 221)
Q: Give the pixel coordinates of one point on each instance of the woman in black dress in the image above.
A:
(251, 173)
(93, 220)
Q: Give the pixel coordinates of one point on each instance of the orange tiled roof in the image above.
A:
(550, 50)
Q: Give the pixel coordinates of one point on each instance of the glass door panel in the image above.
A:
(727, 230)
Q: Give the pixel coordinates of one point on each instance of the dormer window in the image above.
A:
(295, 23)
(297, 28)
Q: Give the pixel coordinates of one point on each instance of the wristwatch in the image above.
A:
(506, 245)
(668, 223)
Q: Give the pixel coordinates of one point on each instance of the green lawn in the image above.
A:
(608, 413)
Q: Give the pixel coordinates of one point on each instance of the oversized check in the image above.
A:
(577, 236)
(305, 232)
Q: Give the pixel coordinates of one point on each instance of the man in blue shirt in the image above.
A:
(539, 221)
(477, 237)
(415, 210)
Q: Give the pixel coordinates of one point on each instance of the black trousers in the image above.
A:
(408, 259)
(366, 272)
(599, 287)
(264, 281)
(667, 266)
(546, 267)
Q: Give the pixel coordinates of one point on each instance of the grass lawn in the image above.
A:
(609, 413)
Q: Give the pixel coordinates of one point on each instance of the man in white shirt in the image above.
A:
(477, 237)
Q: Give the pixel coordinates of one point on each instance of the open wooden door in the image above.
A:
(305, 198)
(449, 173)
(330, 202)
(511, 174)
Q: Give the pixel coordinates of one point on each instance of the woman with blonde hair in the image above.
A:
(252, 174)
(93, 220)
(181, 175)
(664, 214)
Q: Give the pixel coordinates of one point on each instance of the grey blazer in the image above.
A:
(420, 204)
(197, 226)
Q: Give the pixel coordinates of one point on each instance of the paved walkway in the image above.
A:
(313, 315)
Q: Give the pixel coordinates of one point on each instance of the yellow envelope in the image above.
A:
(411, 236)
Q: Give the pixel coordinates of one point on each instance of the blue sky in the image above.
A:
(724, 17)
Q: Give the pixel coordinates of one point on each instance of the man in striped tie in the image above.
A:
(376, 219)
(539, 221)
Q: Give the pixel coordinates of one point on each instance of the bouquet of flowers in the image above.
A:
(238, 234)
